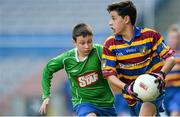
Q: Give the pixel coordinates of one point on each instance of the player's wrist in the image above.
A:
(128, 88)
(45, 97)
(125, 87)
(163, 74)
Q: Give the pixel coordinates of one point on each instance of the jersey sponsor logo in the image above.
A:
(130, 50)
(119, 54)
(87, 79)
(134, 64)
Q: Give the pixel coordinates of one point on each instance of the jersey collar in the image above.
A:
(76, 56)
(137, 33)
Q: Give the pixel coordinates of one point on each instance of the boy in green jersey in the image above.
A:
(91, 94)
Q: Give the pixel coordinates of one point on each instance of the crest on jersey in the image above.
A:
(143, 50)
(103, 63)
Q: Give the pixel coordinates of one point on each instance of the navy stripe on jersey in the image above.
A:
(134, 49)
(110, 63)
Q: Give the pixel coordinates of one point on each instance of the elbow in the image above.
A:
(107, 73)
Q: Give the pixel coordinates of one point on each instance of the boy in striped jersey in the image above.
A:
(91, 94)
(132, 51)
(172, 92)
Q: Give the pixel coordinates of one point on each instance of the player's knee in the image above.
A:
(148, 109)
(175, 114)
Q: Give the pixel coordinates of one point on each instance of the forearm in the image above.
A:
(168, 64)
(53, 66)
(46, 83)
(116, 82)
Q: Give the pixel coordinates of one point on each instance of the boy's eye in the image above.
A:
(90, 41)
(113, 18)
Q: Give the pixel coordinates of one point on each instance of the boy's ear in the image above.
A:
(127, 19)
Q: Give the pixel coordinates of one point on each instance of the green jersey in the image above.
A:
(86, 80)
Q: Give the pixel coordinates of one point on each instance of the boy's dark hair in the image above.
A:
(81, 29)
(124, 8)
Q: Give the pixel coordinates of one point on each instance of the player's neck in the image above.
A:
(128, 33)
(81, 56)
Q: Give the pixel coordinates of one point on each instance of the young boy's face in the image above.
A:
(116, 23)
(84, 44)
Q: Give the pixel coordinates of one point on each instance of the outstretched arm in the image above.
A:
(53, 66)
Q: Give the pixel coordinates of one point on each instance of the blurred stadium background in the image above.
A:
(33, 31)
